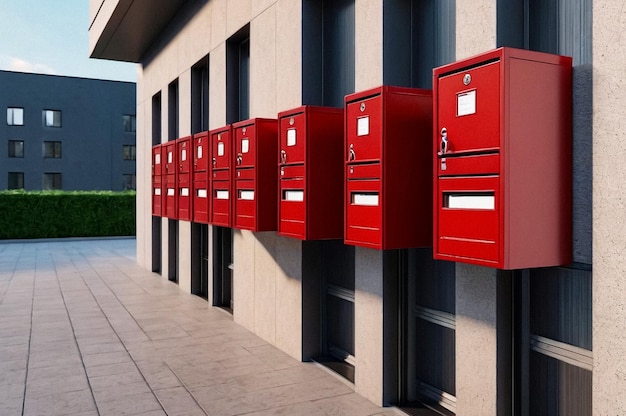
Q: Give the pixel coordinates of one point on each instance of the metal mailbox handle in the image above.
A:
(239, 158)
(352, 154)
(283, 156)
(444, 141)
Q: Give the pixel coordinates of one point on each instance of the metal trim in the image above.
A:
(340, 292)
(561, 351)
(436, 317)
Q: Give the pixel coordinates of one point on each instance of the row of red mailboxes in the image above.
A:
(493, 187)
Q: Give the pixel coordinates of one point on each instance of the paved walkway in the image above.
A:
(85, 331)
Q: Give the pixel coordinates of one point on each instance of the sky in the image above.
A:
(51, 37)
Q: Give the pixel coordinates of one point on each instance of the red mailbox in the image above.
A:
(503, 160)
(184, 149)
(170, 180)
(221, 168)
(311, 167)
(157, 186)
(388, 144)
(256, 183)
(201, 190)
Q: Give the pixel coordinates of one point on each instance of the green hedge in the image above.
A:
(58, 214)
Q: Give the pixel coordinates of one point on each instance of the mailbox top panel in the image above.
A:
(384, 89)
(502, 54)
(308, 109)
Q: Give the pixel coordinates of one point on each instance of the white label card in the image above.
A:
(471, 201)
(184, 191)
(363, 126)
(220, 149)
(199, 152)
(170, 192)
(466, 103)
(221, 194)
(157, 159)
(246, 195)
(201, 193)
(292, 195)
(367, 199)
(157, 191)
(169, 157)
(291, 137)
(245, 145)
(183, 154)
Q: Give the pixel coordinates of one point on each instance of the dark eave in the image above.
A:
(133, 27)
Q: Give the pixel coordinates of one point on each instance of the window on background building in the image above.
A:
(52, 150)
(16, 180)
(52, 181)
(129, 152)
(15, 116)
(52, 118)
(129, 181)
(129, 122)
(16, 148)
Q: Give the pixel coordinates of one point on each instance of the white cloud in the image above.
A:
(20, 65)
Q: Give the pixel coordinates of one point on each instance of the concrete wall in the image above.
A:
(609, 210)
(267, 293)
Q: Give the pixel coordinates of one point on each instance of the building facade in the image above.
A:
(404, 329)
(67, 133)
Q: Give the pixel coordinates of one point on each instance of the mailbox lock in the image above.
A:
(362, 106)
(239, 158)
(283, 156)
(214, 162)
(291, 121)
(352, 155)
(444, 141)
(467, 78)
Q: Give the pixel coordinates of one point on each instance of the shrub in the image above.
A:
(57, 214)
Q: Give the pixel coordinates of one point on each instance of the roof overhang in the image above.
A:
(123, 30)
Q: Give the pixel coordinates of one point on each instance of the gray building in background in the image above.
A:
(66, 133)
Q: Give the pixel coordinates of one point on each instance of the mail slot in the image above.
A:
(388, 170)
(311, 170)
(156, 181)
(220, 180)
(200, 187)
(502, 155)
(256, 184)
(184, 148)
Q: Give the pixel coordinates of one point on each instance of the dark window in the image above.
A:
(52, 118)
(16, 180)
(129, 152)
(129, 123)
(238, 76)
(172, 111)
(200, 96)
(16, 148)
(52, 181)
(129, 181)
(156, 119)
(52, 150)
(15, 116)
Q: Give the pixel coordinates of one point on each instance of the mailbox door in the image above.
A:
(200, 152)
(469, 222)
(245, 146)
(201, 195)
(169, 155)
(292, 205)
(469, 109)
(221, 149)
(364, 129)
(293, 138)
(220, 199)
(184, 197)
(157, 190)
(245, 204)
(184, 155)
(364, 213)
(171, 210)
(156, 160)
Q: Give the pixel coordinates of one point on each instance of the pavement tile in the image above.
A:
(106, 358)
(178, 401)
(119, 391)
(59, 403)
(132, 404)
